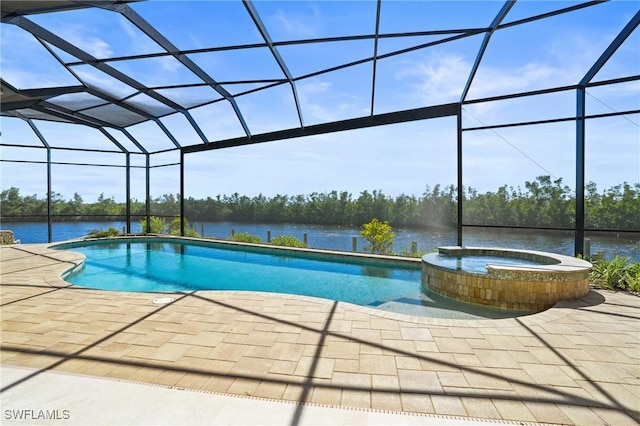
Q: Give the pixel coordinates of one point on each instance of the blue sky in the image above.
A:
(402, 158)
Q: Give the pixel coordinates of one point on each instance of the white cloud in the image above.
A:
(82, 37)
(323, 101)
(218, 121)
(137, 41)
(441, 78)
(170, 64)
(493, 80)
(97, 47)
(309, 92)
(298, 24)
(312, 87)
(127, 28)
(436, 79)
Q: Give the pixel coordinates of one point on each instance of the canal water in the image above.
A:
(341, 238)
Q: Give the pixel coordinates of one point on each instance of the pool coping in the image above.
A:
(563, 263)
(413, 261)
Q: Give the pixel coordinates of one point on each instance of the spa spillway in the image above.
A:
(505, 278)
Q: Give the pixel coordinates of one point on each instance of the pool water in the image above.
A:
(476, 263)
(171, 267)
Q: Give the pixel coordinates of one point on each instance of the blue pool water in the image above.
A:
(172, 267)
(474, 263)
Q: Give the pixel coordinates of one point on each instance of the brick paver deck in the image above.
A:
(577, 363)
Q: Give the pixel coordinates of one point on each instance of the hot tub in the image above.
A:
(505, 278)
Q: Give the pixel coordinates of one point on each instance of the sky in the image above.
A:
(399, 159)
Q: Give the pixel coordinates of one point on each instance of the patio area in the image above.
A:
(577, 363)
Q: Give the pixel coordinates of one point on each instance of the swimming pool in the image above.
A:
(183, 265)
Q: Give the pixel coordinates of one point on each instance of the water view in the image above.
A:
(340, 238)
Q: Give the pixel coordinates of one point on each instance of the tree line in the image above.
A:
(542, 202)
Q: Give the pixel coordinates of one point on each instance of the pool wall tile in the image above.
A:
(520, 288)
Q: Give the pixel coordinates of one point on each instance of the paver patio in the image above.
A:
(577, 363)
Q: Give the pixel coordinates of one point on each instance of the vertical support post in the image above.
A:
(268, 236)
(459, 170)
(304, 238)
(128, 189)
(354, 244)
(148, 193)
(49, 202)
(587, 249)
(580, 178)
(628, 29)
(181, 193)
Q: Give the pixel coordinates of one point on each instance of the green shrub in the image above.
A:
(174, 228)
(245, 238)
(287, 241)
(632, 277)
(110, 232)
(616, 273)
(379, 235)
(157, 225)
(608, 273)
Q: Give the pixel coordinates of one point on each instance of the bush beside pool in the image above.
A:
(516, 287)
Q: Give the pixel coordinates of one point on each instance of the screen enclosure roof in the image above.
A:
(205, 74)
